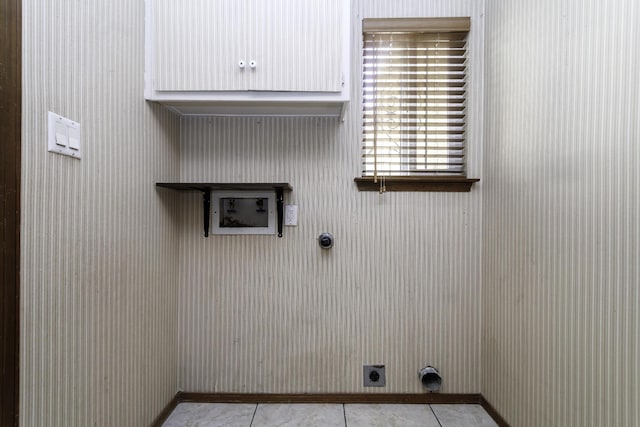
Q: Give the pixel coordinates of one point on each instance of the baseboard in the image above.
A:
(381, 398)
(405, 398)
(493, 413)
(160, 419)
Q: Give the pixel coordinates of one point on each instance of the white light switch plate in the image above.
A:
(291, 215)
(63, 136)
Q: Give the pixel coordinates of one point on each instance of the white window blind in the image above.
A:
(414, 77)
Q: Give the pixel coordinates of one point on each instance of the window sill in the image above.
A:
(418, 183)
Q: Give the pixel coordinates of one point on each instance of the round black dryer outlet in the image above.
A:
(325, 240)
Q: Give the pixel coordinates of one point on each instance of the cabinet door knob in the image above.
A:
(241, 63)
(253, 63)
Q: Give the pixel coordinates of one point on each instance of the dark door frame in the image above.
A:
(10, 142)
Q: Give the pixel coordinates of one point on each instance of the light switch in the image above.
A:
(291, 215)
(64, 136)
(74, 138)
(61, 134)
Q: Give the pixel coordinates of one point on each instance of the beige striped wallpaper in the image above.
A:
(401, 287)
(561, 213)
(99, 245)
(524, 289)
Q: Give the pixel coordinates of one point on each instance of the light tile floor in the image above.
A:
(327, 415)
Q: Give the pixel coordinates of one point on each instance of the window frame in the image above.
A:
(412, 182)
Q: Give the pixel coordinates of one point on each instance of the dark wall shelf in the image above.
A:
(207, 187)
(212, 186)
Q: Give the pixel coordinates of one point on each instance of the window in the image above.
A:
(414, 104)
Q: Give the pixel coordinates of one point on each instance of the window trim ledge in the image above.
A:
(455, 184)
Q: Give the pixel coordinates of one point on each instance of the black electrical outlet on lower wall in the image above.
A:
(374, 376)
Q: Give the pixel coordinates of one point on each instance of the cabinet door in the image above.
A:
(297, 45)
(198, 44)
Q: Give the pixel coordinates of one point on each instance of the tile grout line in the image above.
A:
(434, 414)
(344, 414)
(254, 415)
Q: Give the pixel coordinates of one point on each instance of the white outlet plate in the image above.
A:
(63, 136)
(291, 215)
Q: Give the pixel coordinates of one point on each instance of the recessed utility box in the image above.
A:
(241, 212)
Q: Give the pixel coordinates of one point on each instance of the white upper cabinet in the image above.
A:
(297, 45)
(198, 43)
(237, 57)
